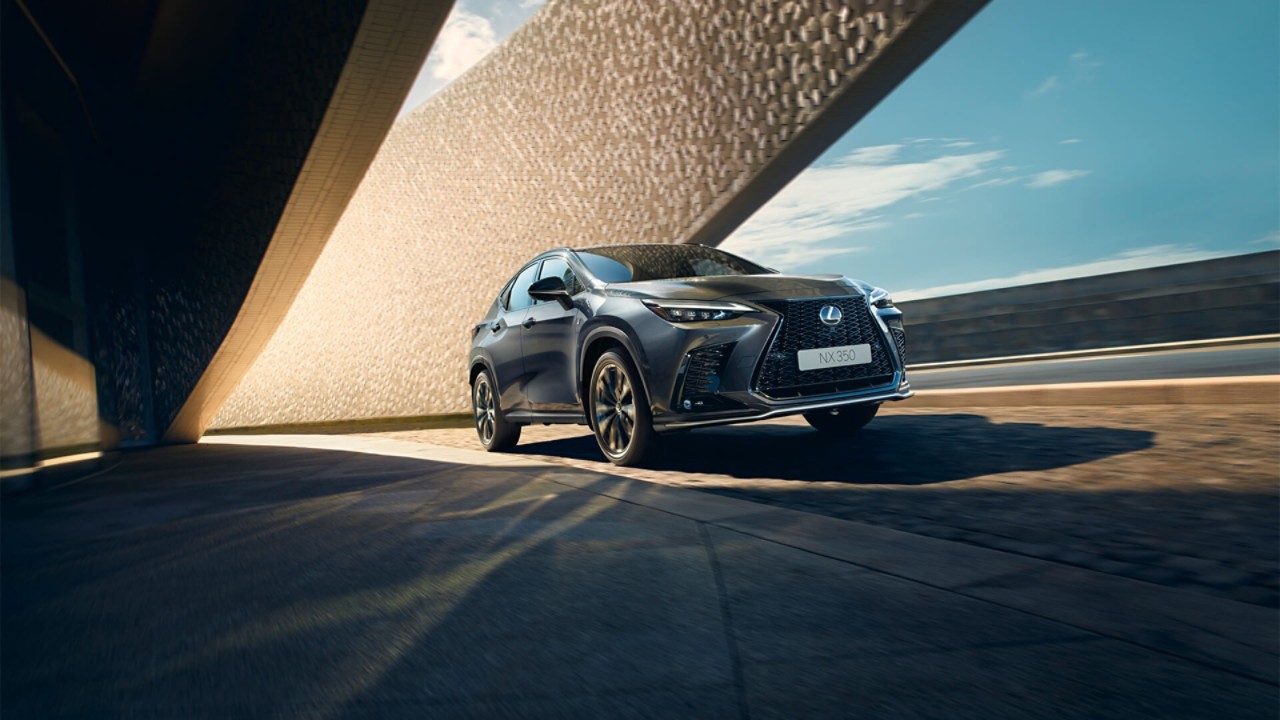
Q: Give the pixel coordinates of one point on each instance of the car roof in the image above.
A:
(640, 245)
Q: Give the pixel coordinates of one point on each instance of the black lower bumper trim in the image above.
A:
(828, 388)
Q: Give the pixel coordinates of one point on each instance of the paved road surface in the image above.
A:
(232, 582)
(1185, 496)
(1208, 362)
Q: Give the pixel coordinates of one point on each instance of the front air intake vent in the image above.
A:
(700, 379)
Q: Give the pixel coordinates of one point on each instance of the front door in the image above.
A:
(504, 339)
(550, 342)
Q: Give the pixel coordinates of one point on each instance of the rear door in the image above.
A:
(550, 342)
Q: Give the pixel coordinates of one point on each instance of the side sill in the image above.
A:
(524, 417)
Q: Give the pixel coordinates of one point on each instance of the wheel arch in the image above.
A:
(479, 363)
(596, 343)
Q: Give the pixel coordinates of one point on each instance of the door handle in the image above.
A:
(528, 322)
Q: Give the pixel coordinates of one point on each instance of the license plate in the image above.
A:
(834, 357)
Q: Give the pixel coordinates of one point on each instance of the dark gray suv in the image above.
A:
(636, 340)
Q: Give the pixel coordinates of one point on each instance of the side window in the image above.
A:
(559, 267)
(518, 296)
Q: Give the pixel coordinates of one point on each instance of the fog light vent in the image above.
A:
(700, 381)
(899, 338)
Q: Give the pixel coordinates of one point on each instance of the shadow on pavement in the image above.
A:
(243, 582)
(895, 450)
(227, 582)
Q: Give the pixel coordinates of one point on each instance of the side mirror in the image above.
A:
(551, 288)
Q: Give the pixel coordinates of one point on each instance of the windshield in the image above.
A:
(635, 263)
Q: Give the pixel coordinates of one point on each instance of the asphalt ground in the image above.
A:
(1227, 361)
(216, 581)
(1182, 496)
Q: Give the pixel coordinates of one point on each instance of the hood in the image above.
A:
(746, 287)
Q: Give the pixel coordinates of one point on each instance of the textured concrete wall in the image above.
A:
(17, 386)
(1226, 297)
(168, 263)
(48, 401)
(208, 199)
(165, 194)
(596, 122)
(66, 399)
(378, 71)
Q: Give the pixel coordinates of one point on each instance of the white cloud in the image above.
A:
(1271, 238)
(1083, 64)
(871, 155)
(994, 182)
(1136, 259)
(1049, 178)
(532, 3)
(1070, 141)
(945, 142)
(1050, 84)
(1080, 68)
(825, 203)
(465, 40)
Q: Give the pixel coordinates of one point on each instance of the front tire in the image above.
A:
(495, 433)
(620, 414)
(848, 419)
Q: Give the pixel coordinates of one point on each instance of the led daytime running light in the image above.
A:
(683, 312)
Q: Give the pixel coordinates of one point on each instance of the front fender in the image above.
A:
(612, 328)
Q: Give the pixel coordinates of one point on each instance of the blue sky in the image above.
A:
(1045, 140)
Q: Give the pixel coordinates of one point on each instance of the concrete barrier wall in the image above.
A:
(1224, 297)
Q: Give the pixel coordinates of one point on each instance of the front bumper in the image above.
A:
(901, 392)
(736, 394)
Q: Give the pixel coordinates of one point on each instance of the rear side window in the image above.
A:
(518, 294)
(559, 267)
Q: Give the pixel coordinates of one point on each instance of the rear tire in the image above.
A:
(619, 410)
(495, 433)
(848, 419)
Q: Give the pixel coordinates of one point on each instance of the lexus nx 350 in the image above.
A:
(638, 340)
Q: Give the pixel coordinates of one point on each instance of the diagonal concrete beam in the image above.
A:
(390, 46)
(915, 38)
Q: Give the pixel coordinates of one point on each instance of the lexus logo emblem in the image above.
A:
(830, 315)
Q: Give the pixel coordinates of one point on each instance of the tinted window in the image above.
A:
(559, 267)
(626, 263)
(607, 269)
(518, 297)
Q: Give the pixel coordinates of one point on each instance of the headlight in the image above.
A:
(683, 311)
(880, 298)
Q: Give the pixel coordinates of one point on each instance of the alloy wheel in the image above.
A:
(485, 410)
(614, 409)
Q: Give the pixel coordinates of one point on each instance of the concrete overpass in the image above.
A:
(594, 123)
(173, 170)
